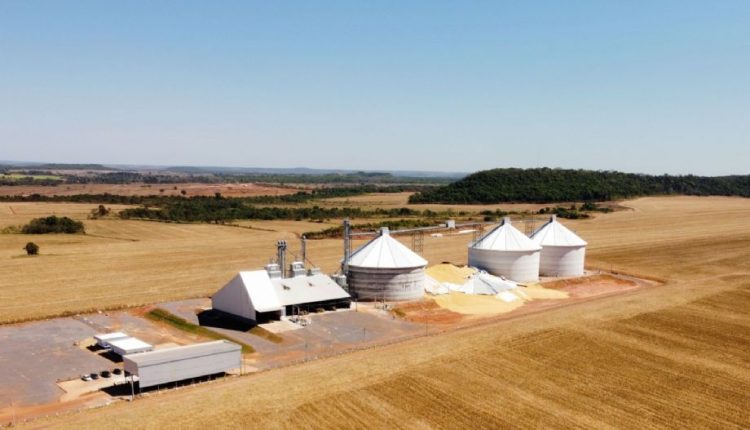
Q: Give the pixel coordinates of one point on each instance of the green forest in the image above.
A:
(545, 185)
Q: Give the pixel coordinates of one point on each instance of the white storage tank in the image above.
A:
(563, 252)
(385, 269)
(507, 252)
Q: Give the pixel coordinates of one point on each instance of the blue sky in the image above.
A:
(638, 86)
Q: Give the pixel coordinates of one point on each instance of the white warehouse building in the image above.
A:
(563, 252)
(506, 252)
(385, 269)
(168, 365)
(258, 294)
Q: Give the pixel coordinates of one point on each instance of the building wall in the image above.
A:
(179, 370)
(562, 261)
(386, 284)
(233, 299)
(519, 266)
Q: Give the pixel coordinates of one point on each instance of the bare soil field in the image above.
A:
(135, 189)
(591, 285)
(401, 200)
(675, 356)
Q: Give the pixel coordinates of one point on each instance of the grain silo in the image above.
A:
(507, 252)
(563, 252)
(385, 269)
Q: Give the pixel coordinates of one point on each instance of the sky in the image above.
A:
(637, 86)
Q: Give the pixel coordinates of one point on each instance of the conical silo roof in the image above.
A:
(505, 237)
(385, 252)
(555, 234)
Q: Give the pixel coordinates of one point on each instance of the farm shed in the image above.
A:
(507, 252)
(129, 345)
(104, 338)
(253, 294)
(183, 362)
(385, 269)
(563, 252)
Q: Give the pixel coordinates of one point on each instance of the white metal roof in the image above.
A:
(178, 353)
(260, 290)
(307, 289)
(385, 252)
(505, 237)
(104, 337)
(129, 344)
(555, 234)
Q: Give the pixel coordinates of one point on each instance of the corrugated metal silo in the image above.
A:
(563, 252)
(385, 269)
(507, 252)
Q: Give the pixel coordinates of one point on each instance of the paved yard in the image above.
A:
(329, 333)
(35, 355)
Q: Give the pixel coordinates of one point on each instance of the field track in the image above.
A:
(670, 357)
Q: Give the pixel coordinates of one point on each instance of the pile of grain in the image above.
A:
(446, 272)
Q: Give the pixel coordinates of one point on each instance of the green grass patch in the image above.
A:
(166, 317)
(265, 334)
(19, 176)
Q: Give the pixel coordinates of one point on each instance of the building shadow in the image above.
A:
(219, 319)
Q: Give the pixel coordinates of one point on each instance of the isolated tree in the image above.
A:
(183, 192)
(102, 211)
(31, 248)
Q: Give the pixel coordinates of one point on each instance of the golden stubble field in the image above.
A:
(122, 263)
(673, 356)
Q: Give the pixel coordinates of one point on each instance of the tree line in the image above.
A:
(155, 199)
(222, 210)
(545, 185)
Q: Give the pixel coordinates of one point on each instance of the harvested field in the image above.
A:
(191, 189)
(675, 356)
(119, 263)
(13, 214)
(591, 285)
(426, 311)
(401, 200)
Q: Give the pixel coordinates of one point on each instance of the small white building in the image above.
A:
(103, 339)
(563, 252)
(183, 362)
(129, 345)
(385, 269)
(507, 252)
(255, 293)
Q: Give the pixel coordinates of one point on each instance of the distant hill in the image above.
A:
(309, 171)
(545, 185)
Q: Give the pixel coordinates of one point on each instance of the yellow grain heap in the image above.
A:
(446, 272)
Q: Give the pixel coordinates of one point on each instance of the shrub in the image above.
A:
(53, 224)
(31, 248)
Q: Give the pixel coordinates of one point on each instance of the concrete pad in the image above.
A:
(75, 388)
